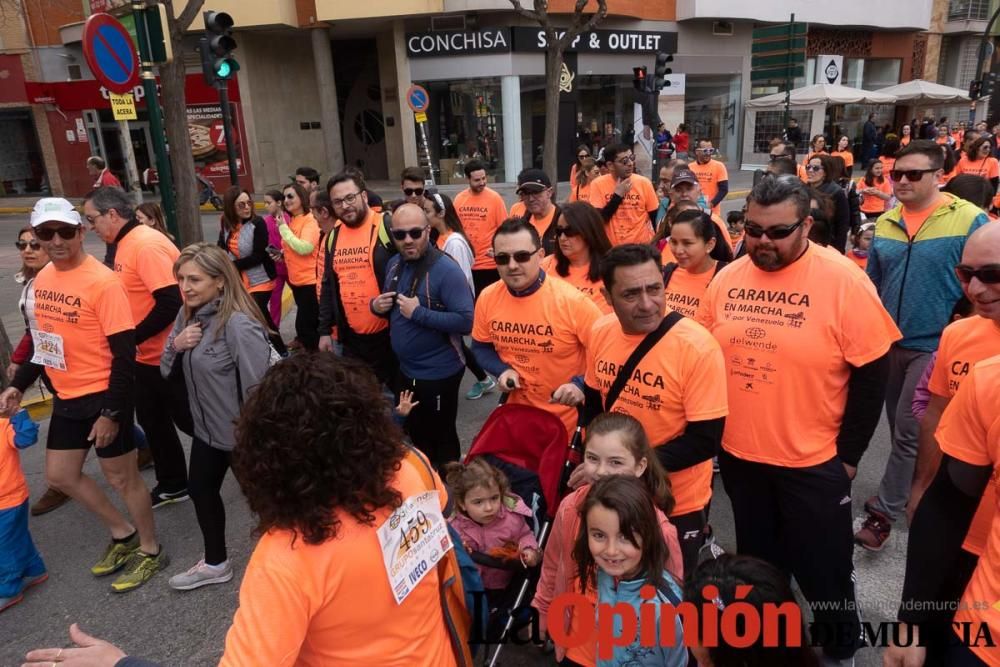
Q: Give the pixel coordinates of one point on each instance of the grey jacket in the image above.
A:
(219, 371)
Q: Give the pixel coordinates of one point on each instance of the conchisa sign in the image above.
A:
(526, 40)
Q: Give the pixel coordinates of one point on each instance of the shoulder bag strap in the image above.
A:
(625, 372)
(668, 272)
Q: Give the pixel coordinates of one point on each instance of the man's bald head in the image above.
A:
(982, 250)
(409, 221)
(408, 215)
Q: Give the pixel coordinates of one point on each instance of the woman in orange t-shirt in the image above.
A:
(584, 177)
(905, 136)
(300, 242)
(979, 161)
(582, 152)
(875, 190)
(844, 153)
(699, 252)
(581, 244)
(816, 147)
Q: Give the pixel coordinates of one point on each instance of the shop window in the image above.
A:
(881, 73)
(771, 124)
(711, 108)
(464, 123)
(22, 170)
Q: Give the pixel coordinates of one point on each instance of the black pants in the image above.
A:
(799, 519)
(431, 425)
(158, 406)
(373, 349)
(472, 364)
(263, 301)
(482, 278)
(691, 534)
(306, 315)
(938, 633)
(208, 470)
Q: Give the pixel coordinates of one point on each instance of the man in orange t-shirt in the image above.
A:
(481, 210)
(711, 174)
(805, 340)
(535, 190)
(627, 200)
(685, 186)
(677, 390)
(530, 329)
(144, 262)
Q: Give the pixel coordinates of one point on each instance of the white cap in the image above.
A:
(54, 209)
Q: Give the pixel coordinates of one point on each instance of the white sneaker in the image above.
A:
(202, 574)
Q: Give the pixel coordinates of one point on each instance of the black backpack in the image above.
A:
(668, 271)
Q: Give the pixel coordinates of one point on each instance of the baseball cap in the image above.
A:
(532, 180)
(683, 176)
(54, 209)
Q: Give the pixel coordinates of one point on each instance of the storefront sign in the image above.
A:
(123, 107)
(81, 131)
(532, 40)
(832, 68)
(458, 42)
(89, 94)
(208, 139)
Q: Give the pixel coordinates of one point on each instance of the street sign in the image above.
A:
(778, 59)
(417, 98)
(123, 106)
(781, 31)
(110, 53)
(420, 117)
(793, 44)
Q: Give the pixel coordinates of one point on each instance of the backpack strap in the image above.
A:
(625, 372)
(718, 267)
(668, 272)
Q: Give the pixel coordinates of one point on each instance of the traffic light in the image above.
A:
(975, 89)
(216, 47)
(988, 84)
(650, 114)
(661, 71)
(639, 79)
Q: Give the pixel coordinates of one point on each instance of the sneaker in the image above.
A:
(34, 581)
(145, 459)
(161, 498)
(140, 569)
(481, 388)
(870, 504)
(7, 603)
(50, 500)
(874, 531)
(710, 549)
(115, 556)
(202, 574)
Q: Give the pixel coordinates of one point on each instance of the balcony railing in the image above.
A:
(969, 10)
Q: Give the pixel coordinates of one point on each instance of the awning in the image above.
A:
(823, 93)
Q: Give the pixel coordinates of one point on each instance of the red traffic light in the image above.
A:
(639, 72)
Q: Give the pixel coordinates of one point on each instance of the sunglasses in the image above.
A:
(415, 233)
(242, 204)
(521, 257)
(47, 234)
(705, 151)
(989, 274)
(776, 156)
(814, 167)
(413, 192)
(21, 245)
(912, 175)
(582, 155)
(626, 160)
(568, 232)
(754, 230)
(290, 195)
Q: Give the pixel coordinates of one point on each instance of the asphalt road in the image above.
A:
(189, 628)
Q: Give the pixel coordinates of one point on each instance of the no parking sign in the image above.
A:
(110, 53)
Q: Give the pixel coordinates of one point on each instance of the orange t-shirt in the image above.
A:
(480, 214)
(846, 156)
(680, 380)
(862, 262)
(541, 225)
(579, 192)
(685, 289)
(945, 177)
(790, 338)
(317, 604)
(870, 203)
(887, 163)
(970, 431)
(517, 210)
(302, 268)
(905, 141)
(320, 264)
(963, 344)
(579, 277)
(144, 262)
(542, 336)
(988, 167)
(81, 307)
(709, 176)
(234, 248)
(352, 260)
(13, 487)
(631, 222)
(915, 219)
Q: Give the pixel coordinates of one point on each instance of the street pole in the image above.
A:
(789, 81)
(125, 137)
(167, 201)
(227, 128)
(984, 49)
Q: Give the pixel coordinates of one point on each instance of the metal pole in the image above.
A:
(227, 128)
(984, 47)
(788, 72)
(125, 137)
(427, 150)
(167, 201)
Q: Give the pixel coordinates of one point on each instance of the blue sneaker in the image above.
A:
(481, 388)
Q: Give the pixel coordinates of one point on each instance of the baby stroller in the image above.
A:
(530, 446)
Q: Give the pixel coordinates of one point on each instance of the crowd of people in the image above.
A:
(762, 349)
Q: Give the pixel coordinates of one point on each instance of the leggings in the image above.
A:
(307, 315)
(208, 469)
(263, 300)
(276, 294)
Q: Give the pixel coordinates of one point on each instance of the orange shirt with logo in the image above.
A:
(352, 260)
(970, 431)
(579, 192)
(579, 277)
(846, 156)
(680, 380)
(234, 248)
(331, 603)
(630, 223)
(83, 306)
(870, 203)
(685, 289)
(13, 487)
(709, 176)
(987, 167)
(480, 214)
(542, 336)
(790, 338)
(963, 344)
(302, 268)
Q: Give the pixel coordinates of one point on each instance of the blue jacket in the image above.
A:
(916, 278)
(637, 655)
(429, 345)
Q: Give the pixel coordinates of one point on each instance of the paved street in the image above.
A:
(189, 628)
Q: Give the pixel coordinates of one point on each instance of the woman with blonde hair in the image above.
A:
(220, 343)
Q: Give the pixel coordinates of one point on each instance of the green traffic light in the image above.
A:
(223, 70)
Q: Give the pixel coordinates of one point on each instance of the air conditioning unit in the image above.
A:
(722, 28)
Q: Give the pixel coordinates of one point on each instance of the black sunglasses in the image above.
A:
(568, 232)
(290, 195)
(754, 230)
(989, 274)
(413, 192)
(521, 257)
(912, 175)
(401, 234)
(21, 245)
(66, 233)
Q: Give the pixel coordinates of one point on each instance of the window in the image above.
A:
(968, 10)
(771, 124)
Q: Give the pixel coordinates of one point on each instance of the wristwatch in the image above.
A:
(111, 414)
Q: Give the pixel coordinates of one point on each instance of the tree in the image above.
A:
(557, 39)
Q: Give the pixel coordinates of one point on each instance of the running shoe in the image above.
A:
(50, 500)
(7, 603)
(481, 388)
(874, 531)
(161, 498)
(115, 556)
(140, 569)
(202, 574)
(35, 580)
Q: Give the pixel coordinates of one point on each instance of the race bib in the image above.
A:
(413, 539)
(48, 350)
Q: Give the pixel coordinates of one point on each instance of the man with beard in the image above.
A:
(627, 200)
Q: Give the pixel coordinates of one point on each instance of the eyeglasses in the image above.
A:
(814, 167)
(705, 151)
(414, 233)
(413, 192)
(349, 199)
(776, 156)
(912, 175)
(568, 232)
(626, 160)
(21, 245)
(583, 155)
(65, 232)
(290, 195)
(989, 274)
(776, 233)
(521, 257)
(245, 204)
